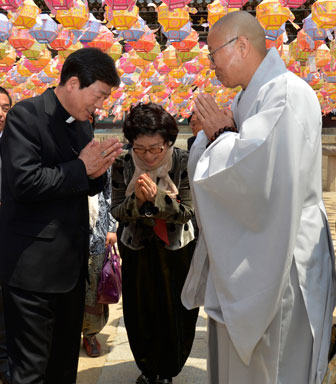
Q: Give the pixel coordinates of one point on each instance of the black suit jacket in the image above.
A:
(44, 229)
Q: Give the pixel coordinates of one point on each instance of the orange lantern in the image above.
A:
(322, 56)
(188, 55)
(20, 39)
(25, 16)
(22, 70)
(188, 43)
(146, 42)
(104, 40)
(63, 39)
(136, 60)
(151, 55)
(306, 43)
(121, 19)
(271, 14)
(8, 58)
(170, 58)
(172, 19)
(324, 13)
(75, 17)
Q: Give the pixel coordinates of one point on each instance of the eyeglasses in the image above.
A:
(211, 54)
(153, 151)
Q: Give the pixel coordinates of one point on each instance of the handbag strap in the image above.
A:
(108, 252)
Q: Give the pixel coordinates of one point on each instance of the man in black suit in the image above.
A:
(196, 126)
(50, 165)
(5, 104)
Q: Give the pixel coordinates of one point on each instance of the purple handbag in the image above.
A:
(109, 286)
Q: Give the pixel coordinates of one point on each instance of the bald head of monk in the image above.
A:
(236, 62)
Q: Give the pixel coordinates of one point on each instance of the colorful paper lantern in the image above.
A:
(187, 43)
(145, 44)
(75, 17)
(236, 3)
(115, 51)
(216, 11)
(45, 30)
(188, 55)
(323, 13)
(322, 56)
(121, 19)
(66, 52)
(63, 39)
(20, 39)
(170, 57)
(152, 54)
(172, 19)
(161, 66)
(271, 14)
(10, 5)
(25, 16)
(193, 66)
(292, 3)
(5, 27)
(7, 55)
(273, 34)
(104, 40)
(120, 4)
(59, 4)
(310, 27)
(136, 31)
(34, 52)
(91, 29)
(178, 34)
(126, 65)
(172, 4)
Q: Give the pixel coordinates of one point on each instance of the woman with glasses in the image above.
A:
(152, 201)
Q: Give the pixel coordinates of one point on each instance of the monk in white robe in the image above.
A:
(264, 264)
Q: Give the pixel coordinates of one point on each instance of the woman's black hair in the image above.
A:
(150, 119)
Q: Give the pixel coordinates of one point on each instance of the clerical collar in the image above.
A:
(62, 111)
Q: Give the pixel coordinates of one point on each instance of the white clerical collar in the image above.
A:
(70, 119)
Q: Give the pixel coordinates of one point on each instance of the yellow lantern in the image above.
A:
(51, 69)
(322, 56)
(271, 14)
(5, 49)
(136, 60)
(25, 17)
(115, 51)
(172, 19)
(8, 58)
(35, 51)
(177, 73)
(75, 17)
(73, 47)
(216, 11)
(324, 13)
(186, 56)
(170, 58)
(121, 19)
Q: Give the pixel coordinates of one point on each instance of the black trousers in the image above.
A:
(160, 329)
(43, 334)
(3, 347)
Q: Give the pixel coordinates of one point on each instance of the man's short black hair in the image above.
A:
(5, 92)
(150, 119)
(90, 65)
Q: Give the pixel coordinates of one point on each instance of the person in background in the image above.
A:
(151, 199)
(5, 105)
(50, 164)
(103, 228)
(196, 126)
(264, 264)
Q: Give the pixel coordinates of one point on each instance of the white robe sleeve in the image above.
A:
(249, 190)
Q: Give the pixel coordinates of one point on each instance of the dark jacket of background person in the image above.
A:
(44, 212)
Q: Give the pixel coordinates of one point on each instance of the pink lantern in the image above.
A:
(59, 4)
(292, 3)
(126, 65)
(172, 4)
(10, 5)
(120, 4)
(236, 3)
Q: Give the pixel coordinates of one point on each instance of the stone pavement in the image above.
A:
(116, 365)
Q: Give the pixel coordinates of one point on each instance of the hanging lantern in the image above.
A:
(120, 4)
(22, 70)
(20, 39)
(151, 55)
(137, 60)
(203, 56)
(161, 66)
(188, 79)
(172, 19)
(236, 3)
(45, 30)
(193, 66)
(36, 66)
(170, 58)
(115, 51)
(75, 17)
(178, 34)
(324, 13)
(145, 44)
(10, 5)
(274, 43)
(148, 71)
(121, 19)
(310, 27)
(187, 43)
(25, 16)
(59, 4)
(188, 55)
(51, 68)
(8, 56)
(273, 34)
(126, 65)
(271, 14)
(91, 31)
(6, 49)
(172, 83)
(215, 12)
(5, 27)
(104, 40)
(292, 3)
(35, 51)
(63, 39)
(136, 31)
(172, 4)
(322, 56)
(73, 47)
(306, 43)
